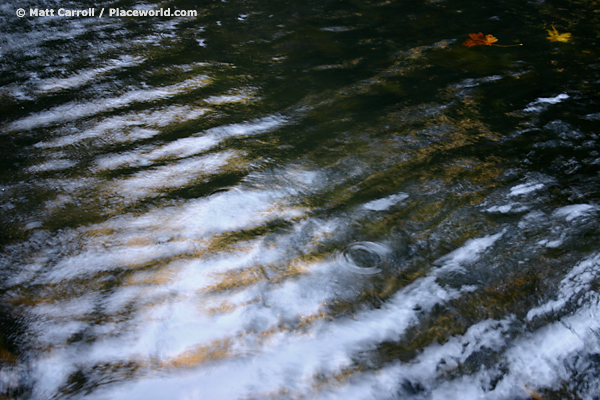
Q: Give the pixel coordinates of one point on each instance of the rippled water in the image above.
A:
(330, 199)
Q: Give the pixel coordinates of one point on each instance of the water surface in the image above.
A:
(289, 200)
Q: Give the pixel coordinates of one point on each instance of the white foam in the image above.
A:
(576, 283)
(553, 100)
(244, 95)
(171, 176)
(287, 357)
(250, 128)
(224, 211)
(185, 147)
(83, 77)
(151, 236)
(75, 110)
(525, 188)
(469, 252)
(98, 260)
(533, 218)
(433, 361)
(132, 158)
(471, 82)
(262, 357)
(541, 360)
(52, 165)
(385, 203)
(501, 209)
(542, 102)
(553, 244)
(129, 127)
(574, 211)
(165, 329)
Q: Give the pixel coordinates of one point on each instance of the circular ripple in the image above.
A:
(363, 257)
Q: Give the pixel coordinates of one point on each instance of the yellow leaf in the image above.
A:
(554, 36)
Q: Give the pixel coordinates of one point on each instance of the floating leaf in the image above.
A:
(477, 39)
(554, 36)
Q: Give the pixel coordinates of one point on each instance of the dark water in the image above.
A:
(300, 200)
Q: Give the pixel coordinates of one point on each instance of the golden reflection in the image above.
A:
(235, 279)
(244, 277)
(427, 211)
(225, 307)
(292, 269)
(532, 394)
(154, 277)
(322, 381)
(345, 65)
(243, 95)
(223, 348)
(396, 283)
(6, 357)
(307, 320)
(216, 350)
(139, 241)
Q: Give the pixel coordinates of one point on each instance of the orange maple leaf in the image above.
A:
(477, 39)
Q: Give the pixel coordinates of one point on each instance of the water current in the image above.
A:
(300, 200)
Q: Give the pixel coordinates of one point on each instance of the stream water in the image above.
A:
(300, 200)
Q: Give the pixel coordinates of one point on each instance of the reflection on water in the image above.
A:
(300, 200)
